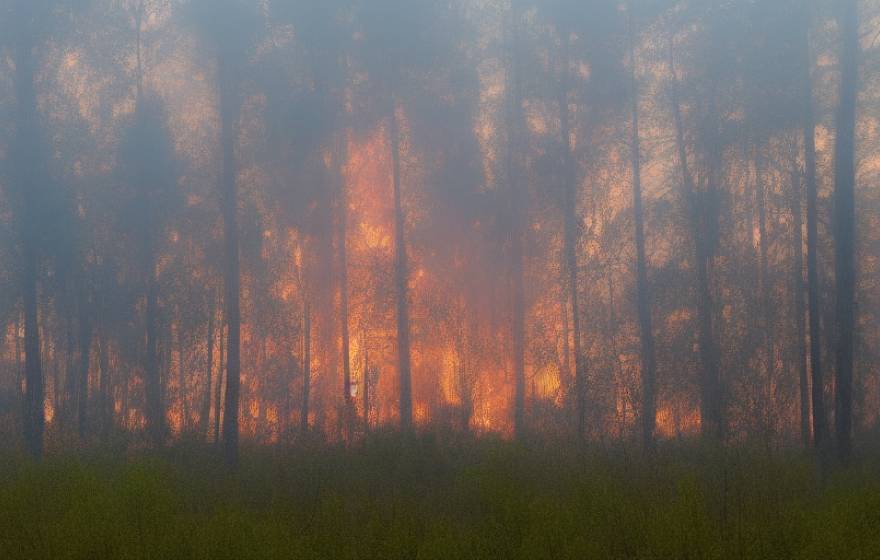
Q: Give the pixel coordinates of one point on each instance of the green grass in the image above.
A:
(424, 499)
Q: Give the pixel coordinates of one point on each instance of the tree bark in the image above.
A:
(844, 223)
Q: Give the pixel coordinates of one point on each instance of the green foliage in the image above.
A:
(390, 498)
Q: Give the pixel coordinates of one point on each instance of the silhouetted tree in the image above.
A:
(844, 222)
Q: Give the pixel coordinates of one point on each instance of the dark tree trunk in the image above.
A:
(28, 167)
(401, 280)
(710, 397)
(844, 223)
(82, 384)
(152, 382)
(218, 389)
(181, 380)
(366, 383)
(820, 422)
(164, 353)
(205, 416)
(646, 332)
(463, 372)
(63, 398)
(232, 280)
(125, 381)
(766, 301)
(570, 240)
(566, 330)
(343, 288)
(105, 387)
(19, 370)
(34, 421)
(517, 228)
(155, 419)
(798, 290)
(306, 366)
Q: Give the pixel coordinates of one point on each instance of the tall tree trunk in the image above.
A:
(519, 336)
(463, 371)
(566, 330)
(155, 418)
(342, 153)
(82, 385)
(646, 329)
(28, 166)
(570, 239)
(232, 279)
(366, 382)
(123, 397)
(798, 287)
(844, 223)
(820, 422)
(19, 370)
(766, 300)
(620, 393)
(34, 398)
(218, 389)
(104, 384)
(401, 280)
(710, 398)
(205, 416)
(165, 349)
(181, 380)
(66, 399)
(306, 366)
(152, 382)
(516, 149)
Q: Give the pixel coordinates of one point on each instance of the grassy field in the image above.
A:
(424, 499)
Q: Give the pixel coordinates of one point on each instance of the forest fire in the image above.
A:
(539, 228)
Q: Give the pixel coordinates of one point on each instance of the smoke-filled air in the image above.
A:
(439, 278)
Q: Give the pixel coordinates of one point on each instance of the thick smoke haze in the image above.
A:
(256, 221)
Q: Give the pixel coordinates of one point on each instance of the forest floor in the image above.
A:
(388, 498)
